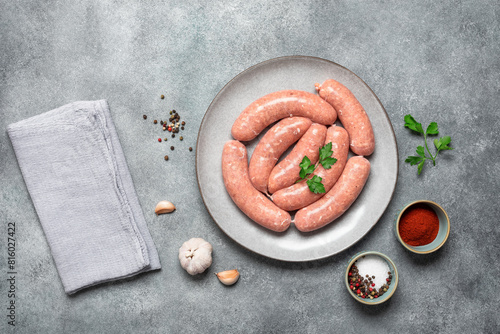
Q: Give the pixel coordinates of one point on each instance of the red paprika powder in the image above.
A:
(419, 225)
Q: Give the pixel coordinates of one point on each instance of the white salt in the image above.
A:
(373, 265)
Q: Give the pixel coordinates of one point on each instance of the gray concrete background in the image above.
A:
(436, 60)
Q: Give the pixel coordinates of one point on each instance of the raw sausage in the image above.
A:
(338, 199)
(272, 145)
(285, 103)
(253, 203)
(298, 195)
(286, 172)
(351, 114)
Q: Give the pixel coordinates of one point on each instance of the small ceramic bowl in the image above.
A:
(442, 236)
(392, 287)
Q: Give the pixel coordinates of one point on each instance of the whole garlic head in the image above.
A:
(195, 255)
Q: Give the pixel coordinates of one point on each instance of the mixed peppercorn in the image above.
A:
(364, 287)
(173, 125)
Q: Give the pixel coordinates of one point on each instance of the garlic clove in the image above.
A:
(228, 277)
(164, 207)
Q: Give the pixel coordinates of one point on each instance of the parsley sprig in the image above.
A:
(432, 129)
(307, 168)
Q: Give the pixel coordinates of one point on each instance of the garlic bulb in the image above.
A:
(228, 277)
(195, 255)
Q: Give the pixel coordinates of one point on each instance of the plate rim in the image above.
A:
(311, 258)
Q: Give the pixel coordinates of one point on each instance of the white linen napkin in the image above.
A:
(79, 182)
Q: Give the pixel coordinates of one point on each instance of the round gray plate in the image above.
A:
(295, 72)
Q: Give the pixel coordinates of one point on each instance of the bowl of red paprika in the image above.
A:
(422, 227)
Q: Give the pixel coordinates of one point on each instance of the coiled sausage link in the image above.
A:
(272, 145)
(338, 199)
(275, 106)
(298, 195)
(286, 172)
(252, 202)
(351, 114)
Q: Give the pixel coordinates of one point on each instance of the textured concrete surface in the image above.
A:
(436, 60)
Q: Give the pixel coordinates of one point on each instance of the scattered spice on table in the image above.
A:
(173, 125)
(419, 225)
(144, 116)
(377, 280)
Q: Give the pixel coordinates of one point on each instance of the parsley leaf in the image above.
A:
(305, 168)
(328, 162)
(315, 185)
(420, 166)
(413, 160)
(421, 151)
(412, 124)
(325, 152)
(432, 129)
(310, 169)
(306, 162)
(442, 143)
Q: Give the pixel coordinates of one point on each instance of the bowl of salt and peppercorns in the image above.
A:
(422, 227)
(371, 277)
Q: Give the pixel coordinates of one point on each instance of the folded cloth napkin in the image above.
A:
(80, 185)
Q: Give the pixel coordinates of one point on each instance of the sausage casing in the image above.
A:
(252, 202)
(275, 106)
(338, 199)
(298, 195)
(351, 114)
(286, 172)
(272, 145)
